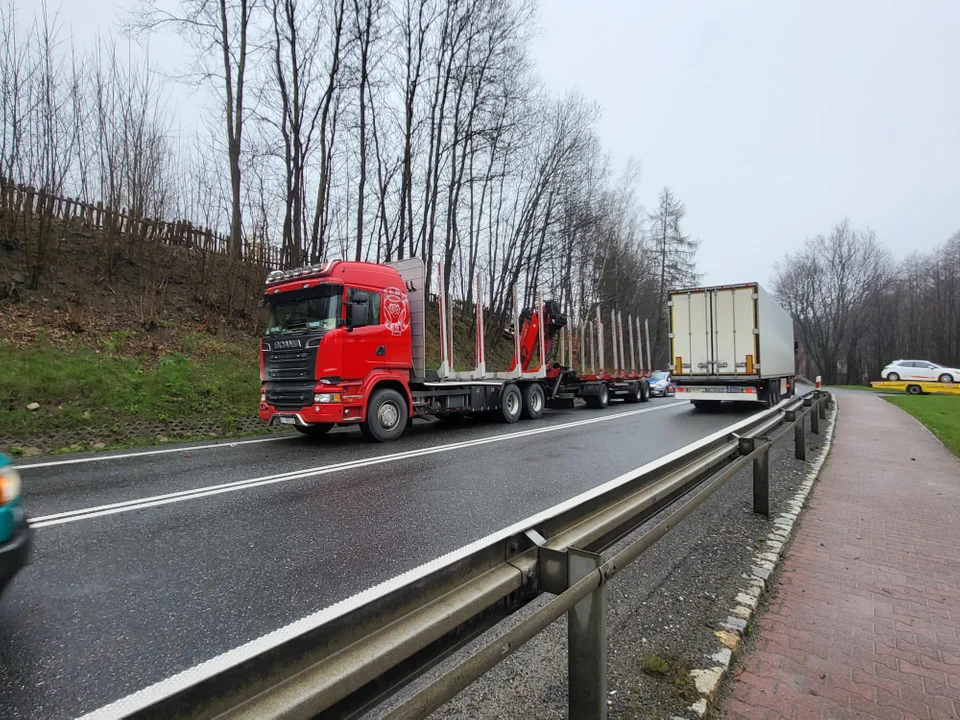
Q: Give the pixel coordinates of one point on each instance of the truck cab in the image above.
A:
(333, 332)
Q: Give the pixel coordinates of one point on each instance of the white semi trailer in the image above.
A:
(731, 343)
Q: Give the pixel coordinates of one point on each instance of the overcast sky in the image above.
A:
(770, 120)
(774, 120)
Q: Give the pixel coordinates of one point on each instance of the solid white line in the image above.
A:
(69, 516)
(147, 696)
(143, 453)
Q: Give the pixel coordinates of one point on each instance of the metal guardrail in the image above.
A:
(347, 659)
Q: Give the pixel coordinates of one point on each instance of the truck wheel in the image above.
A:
(636, 394)
(644, 391)
(511, 403)
(599, 401)
(386, 415)
(317, 430)
(914, 390)
(534, 400)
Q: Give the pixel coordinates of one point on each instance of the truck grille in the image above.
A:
(295, 364)
(289, 396)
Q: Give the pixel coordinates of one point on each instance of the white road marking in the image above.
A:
(70, 516)
(144, 453)
(141, 699)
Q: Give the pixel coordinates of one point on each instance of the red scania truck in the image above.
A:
(345, 344)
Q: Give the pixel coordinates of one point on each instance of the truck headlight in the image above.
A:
(324, 398)
(9, 485)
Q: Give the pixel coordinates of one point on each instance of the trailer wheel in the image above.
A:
(636, 393)
(598, 401)
(914, 390)
(317, 430)
(534, 400)
(644, 391)
(511, 403)
(386, 415)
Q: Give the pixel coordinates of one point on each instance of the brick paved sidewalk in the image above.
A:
(864, 620)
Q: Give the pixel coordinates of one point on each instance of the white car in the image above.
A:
(919, 370)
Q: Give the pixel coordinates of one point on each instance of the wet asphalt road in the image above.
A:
(217, 546)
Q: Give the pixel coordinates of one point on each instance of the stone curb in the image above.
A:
(730, 634)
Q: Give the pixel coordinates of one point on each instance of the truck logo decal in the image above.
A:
(285, 344)
(397, 310)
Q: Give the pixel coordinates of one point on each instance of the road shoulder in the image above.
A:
(865, 615)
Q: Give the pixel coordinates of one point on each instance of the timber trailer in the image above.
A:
(345, 345)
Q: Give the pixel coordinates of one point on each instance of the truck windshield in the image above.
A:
(309, 310)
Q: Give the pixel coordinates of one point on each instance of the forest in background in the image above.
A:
(384, 129)
(357, 129)
(857, 309)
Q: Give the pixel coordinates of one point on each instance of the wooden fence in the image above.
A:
(85, 216)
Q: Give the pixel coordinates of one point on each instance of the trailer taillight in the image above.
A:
(678, 365)
(749, 364)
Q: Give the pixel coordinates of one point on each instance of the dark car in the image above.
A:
(661, 384)
(15, 534)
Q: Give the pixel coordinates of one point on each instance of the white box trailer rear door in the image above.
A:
(713, 331)
(734, 320)
(690, 325)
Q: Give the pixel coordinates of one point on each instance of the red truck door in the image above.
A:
(374, 341)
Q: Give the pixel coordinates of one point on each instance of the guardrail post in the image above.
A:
(799, 436)
(761, 474)
(815, 417)
(587, 642)
(822, 405)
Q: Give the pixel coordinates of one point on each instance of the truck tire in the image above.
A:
(511, 403)
(914, 390)
(598, 401)
(636, 393)
(386, 415)
(534, 400)
(317, 430)
(644, 391)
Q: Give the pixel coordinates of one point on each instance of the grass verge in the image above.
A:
(82, 389)
(940, 413)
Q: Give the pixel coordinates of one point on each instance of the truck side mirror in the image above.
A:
(356, 315)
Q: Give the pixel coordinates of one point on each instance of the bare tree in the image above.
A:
(826, 285)
(218, 31)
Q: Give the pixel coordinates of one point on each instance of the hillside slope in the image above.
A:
(118, 345)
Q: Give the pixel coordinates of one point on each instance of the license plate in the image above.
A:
(703, 389)
(288, 421)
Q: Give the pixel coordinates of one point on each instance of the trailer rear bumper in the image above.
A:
(731, 393)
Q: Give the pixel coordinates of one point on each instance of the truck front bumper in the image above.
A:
(15, 553)
(309, 415)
